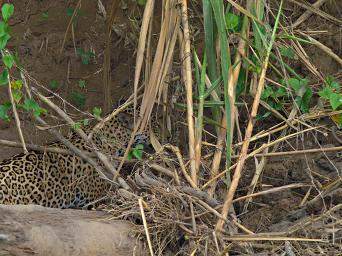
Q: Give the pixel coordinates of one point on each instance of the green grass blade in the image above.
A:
(213, 87)
(225, 66)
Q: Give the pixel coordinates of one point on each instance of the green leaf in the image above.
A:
(76, 125)
(138, 151)
(335, 100)
(31, 105)
(85, 56)
(331, 82)
(3, 28)
(298, 85)
(69, 11)
(305, 106)
(17, 95)
(45, 15)
(281, 92)
(17, 84)
(97, 112)
(287, 52)
(233, 22)
(82, 84)
(86, 122)
(266, 93)
(3, 40)
(141, 2)
(4, 77)
(4, 111)
(54, 84)
(335, 85)
(7, 11)
(8, 60)
(325, 93)
(78, 98)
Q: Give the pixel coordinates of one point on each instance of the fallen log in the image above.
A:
(36, 230)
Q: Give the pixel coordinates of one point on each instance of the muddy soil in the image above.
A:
(38, 29)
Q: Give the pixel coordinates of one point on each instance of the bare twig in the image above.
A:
(9, 143)
(181, 163)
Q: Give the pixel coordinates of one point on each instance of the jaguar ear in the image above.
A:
(126, 120)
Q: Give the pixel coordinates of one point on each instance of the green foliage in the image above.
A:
(45, 15)
(274, 98)
(82, 84)
(86, 122)
(4, 34)
(287, 52)
(85, 55)
(7, 11)
(4, 108)
(31, 105)
(70, 12)
(303, 93)
(141, 2)
(233, 22)
(332, 93)
(136, 152)
(78, 98)
(16, 86)
(54, 84)
(76, 125)
(4, 77)
(8, 60)
(97, 112)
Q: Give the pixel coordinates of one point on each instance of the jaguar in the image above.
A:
(64, 180)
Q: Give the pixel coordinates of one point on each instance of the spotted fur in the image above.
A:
(58, 180)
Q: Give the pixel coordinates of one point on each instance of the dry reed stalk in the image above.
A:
(307, 13)
(217, 155)
(317, 11)
(188, 85)
(255, 152)
(233, 78)
(269, 191)
(237, 174)
(145, 27)
(77, 7)
(160, 66)
(107, 56)
(182, 165)
(259, 167)
(152, 87)
(269, 237)
(16, 116)
(145, 226)
(326, 49)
